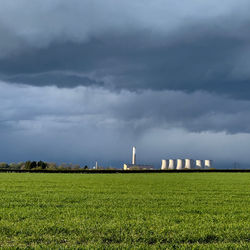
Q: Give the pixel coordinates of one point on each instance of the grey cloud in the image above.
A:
(61, 79)
(129, 45)
(85, 123)
(210, 63)
(39, 23)
(99, 107)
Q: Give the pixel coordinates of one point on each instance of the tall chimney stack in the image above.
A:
(134, 156)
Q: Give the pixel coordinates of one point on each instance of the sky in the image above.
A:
(82, 81)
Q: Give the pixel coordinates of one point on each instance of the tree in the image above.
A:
(4, 165)
(33, 164)
(20, 165)
(51, 165)
(27, 165)
(76, 166)
(13, 165)
(42, 165)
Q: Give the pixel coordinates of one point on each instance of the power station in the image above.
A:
(169, 164)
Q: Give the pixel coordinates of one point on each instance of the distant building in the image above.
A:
(137, 167)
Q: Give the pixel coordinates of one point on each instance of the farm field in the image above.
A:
(165, 210)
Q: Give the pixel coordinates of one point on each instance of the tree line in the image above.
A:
(41, 165)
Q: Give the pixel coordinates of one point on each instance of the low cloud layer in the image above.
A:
(85, 123)
(140, 111)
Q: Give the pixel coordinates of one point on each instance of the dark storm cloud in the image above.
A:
(61, 79)
(207, 63)
(136, 46)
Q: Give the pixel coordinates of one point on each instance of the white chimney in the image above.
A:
(134, 156)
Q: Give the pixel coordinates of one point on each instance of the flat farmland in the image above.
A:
(165, 210)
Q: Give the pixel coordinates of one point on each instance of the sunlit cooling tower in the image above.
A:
(171, 164)
(179, 165)
(198, 164)
(134, 156)
(207, 163)
(188, 164)
(163, 164)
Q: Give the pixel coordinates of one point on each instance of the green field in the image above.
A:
(167, 210)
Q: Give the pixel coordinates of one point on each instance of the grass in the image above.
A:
(175, 210)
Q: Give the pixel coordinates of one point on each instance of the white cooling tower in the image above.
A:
(198, 164)
(163, 164)
(179, 165)
(134, 156)
(207, 163)
(171, 164)
(188, 164)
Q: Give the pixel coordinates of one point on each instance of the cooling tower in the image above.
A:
(198, 164)
(179, 165)
(163, 164)
(171, 164)
(188, 164)
(207, 163)
(134, 156)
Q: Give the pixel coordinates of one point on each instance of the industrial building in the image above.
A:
(135, 166)
(180, 164)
